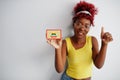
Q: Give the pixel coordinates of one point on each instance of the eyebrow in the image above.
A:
(82, 23)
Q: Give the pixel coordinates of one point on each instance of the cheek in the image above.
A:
(87, 30)
(75, 31)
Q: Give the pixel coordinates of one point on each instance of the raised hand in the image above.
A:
(57, 43)
(106, 36)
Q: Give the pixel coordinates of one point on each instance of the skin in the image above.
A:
(81, 28)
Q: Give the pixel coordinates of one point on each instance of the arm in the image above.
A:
(60, 54)
(60, 57)
(99, 56)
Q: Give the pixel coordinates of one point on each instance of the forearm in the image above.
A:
(100, 58)
(58, 61)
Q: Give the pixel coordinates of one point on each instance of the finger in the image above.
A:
(48, 41)
(53, 41)
(107, 39)
(102, 32)
(109, 36)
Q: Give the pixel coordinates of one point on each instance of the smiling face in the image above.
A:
(81, 27)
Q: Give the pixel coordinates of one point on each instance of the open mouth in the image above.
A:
(81, 33)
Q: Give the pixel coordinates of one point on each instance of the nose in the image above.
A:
(82, 28)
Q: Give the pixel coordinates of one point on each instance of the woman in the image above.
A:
(80, 50)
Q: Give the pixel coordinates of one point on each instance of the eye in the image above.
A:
(78, 24)
(87, 26)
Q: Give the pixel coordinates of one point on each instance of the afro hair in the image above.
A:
(85, 6)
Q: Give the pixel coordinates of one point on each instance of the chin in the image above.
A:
(80, 37)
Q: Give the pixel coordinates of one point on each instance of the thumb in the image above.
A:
(102, 32)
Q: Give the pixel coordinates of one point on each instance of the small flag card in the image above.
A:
(53, 34)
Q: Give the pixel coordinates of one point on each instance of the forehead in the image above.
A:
(83, 21)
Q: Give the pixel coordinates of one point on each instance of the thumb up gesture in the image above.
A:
(106, 37)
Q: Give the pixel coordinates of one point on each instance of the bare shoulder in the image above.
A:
(94, 40)
(64, 46)
(95, 47)
(64, 42)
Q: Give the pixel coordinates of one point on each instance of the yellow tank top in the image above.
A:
(79, 60)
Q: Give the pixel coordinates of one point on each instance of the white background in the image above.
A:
(24, 53)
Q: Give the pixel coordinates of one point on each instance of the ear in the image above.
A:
(74, 20)
(73, 24)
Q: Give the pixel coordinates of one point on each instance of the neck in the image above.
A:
(79, 40)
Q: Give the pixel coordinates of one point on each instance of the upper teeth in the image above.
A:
(80, 33)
